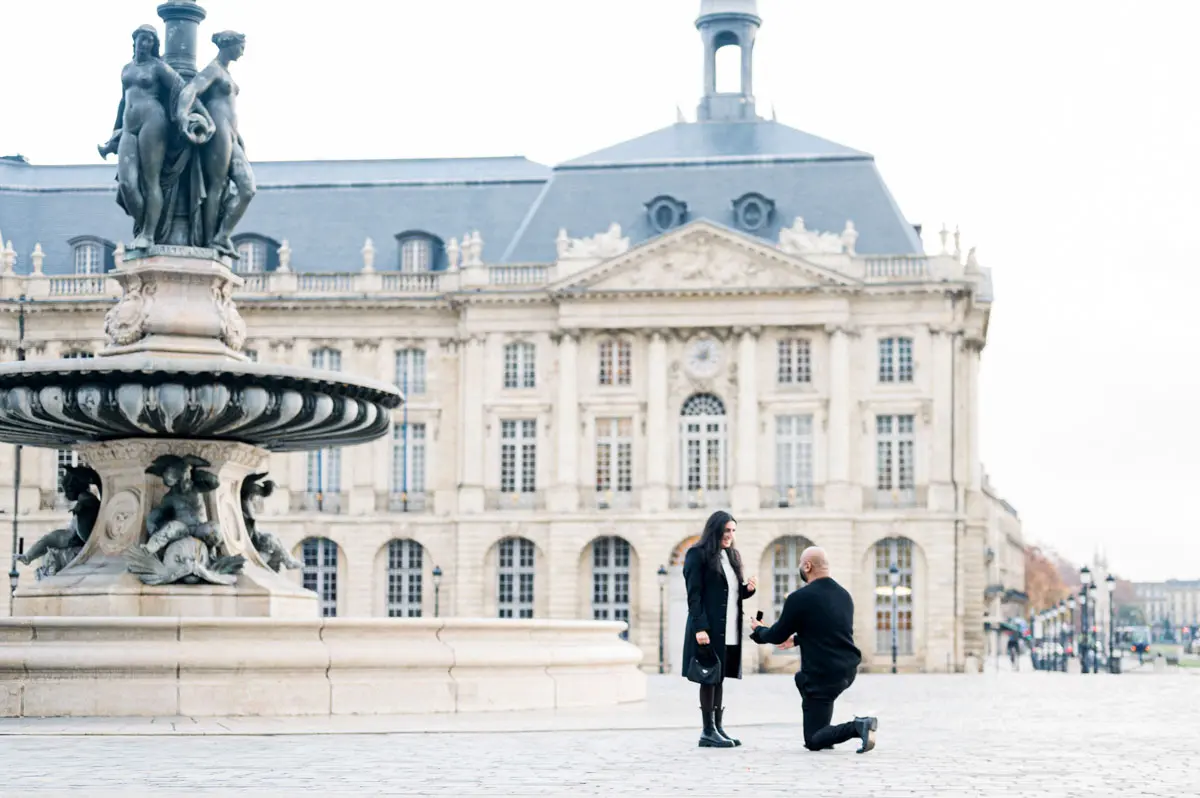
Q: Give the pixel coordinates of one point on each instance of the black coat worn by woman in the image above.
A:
(708, 598)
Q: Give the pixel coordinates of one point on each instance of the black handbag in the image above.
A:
(708, 671)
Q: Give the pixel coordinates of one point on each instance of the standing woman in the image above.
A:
(715, 591)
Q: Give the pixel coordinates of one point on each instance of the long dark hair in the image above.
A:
(709, 543)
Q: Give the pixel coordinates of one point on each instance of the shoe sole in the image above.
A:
(707, 744)
(869, 742)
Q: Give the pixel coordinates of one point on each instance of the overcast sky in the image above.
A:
(1064, 138)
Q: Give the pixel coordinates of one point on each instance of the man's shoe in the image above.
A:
(717, 715)
(709, 737)
(866, 728)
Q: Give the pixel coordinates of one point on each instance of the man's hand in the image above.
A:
(702, 638)
(789, 643)
(755, 622)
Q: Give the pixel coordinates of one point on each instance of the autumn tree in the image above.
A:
(1044, 583)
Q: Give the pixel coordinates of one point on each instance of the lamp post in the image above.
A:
(14, 576)
(662, 590)
(437, 591)
(894, 582)
(1085, 579)
(1071, 626)
(1062, 634)
(1114, 662)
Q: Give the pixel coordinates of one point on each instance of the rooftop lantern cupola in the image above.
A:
(732, 24)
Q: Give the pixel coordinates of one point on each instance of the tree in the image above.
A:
(1044, 582)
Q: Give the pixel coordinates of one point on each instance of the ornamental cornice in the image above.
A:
(845, 328)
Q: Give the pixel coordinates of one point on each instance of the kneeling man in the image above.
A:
(820, 619)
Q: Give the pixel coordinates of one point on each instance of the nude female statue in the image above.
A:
(142, 136)
(228, 178)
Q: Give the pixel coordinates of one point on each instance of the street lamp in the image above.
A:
(14, 575)
(1085, 579)
(1071, 627)
(1114, 662)
(437, 591)
(662, 588)
(1062, 634)
(894, 582)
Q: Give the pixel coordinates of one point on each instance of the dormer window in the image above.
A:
(92, 255)
(753, 212)
(256, 254)
(419, 252)
(666, 213)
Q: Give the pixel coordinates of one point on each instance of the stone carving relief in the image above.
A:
(233, 326)
(147, 450)
(608, 244)
(703, 264)
(798, 240)
(120, 526)
(191, 547)
(125, 322)
(273, 553)
(57, 549)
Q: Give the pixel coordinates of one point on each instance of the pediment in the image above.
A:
(703, 258)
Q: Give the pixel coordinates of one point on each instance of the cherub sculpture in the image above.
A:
(276, 556)
(179, 527)
(58, 548)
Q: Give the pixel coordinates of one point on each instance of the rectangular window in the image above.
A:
(327, 359)
(518, 456)
(520, 368)
(895, 360)
(616, 362)
(794, 458)
(89, 259)
(614, 455)
(410, 371)
(251, 355)
(408, 459)
(794, 357)
(894, 449)
(325, 471)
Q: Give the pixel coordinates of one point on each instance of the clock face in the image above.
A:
(703, 357)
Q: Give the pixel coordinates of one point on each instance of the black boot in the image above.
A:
(866, 730)
(710, 738)
(717, 715)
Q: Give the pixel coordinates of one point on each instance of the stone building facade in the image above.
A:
(726, 314)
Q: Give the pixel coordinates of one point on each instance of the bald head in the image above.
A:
(814, 564)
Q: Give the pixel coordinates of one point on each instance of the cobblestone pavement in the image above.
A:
(995, 734)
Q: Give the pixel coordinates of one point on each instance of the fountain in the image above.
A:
(162, 595)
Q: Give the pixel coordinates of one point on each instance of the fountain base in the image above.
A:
(225, 667)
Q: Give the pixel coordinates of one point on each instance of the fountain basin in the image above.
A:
(212, 667)
(280, 408)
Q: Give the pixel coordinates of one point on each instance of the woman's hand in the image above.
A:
(702, 638)
(752, 584)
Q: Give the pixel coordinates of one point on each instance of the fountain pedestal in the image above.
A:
(98, 582)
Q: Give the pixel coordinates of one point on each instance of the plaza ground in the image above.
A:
(995, 734)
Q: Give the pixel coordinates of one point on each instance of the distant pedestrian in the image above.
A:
(1014, 651)
(819, 617)
(712, 570)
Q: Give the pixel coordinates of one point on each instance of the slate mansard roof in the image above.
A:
(327, 209)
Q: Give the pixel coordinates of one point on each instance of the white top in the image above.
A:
(731, 608)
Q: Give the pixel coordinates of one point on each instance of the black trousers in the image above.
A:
(817, 702)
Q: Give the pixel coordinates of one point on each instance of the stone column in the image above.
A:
(745, 489)
(471, 458)
(564, 495)
(973, 347)
(941, 489)
(841, 492)
(656, 495)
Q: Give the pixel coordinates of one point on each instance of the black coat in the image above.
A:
(708, 598)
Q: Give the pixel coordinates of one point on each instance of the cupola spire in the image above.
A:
(728, 23)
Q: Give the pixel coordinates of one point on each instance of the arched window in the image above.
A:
(702, 432)
(610, 580)
(616, 362)
(898, 551)
(752, 212)
(92, 255)
(514, 578)
(320, 558)
(256, 254)
(405, 559)
(666, 213)
(728, 63)
(419, 252)
(785, 569)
